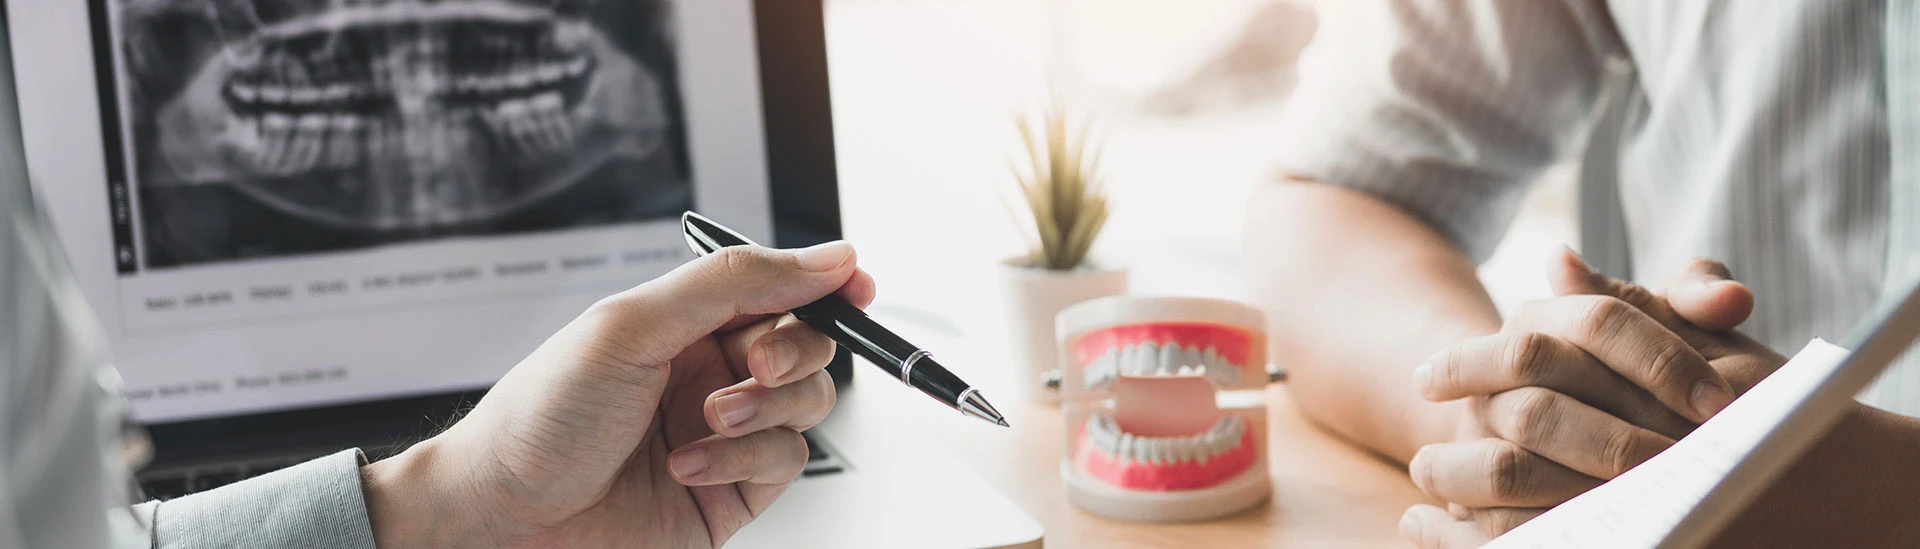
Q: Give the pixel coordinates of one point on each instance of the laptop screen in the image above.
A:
(283, 204)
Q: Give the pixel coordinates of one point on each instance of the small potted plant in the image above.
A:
(1060, 205)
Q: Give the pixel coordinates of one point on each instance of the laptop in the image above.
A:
(308, 226)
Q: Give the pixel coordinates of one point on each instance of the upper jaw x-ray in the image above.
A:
(346, 123)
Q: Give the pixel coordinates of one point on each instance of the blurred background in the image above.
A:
(1188, 95)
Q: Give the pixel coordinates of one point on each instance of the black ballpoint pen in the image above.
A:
(851, 328)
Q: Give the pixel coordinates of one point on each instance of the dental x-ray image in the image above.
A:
(269, 128)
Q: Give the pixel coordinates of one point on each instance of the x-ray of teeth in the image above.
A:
(262, 128)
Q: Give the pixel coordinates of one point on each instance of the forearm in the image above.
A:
(1858, 487)
(1357, 294)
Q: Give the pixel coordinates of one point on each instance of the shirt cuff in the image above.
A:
(320, 503)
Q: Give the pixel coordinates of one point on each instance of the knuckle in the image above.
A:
(601, 314)
(740, 260)
(1506, 472)
(1523, 357)
(774, 450)
(1621, 451)
(607, 309)
(1602, 317)
(1534, 413)
(609, 324)
(1667, 365)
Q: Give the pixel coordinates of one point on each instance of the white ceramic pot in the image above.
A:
(1030, 298)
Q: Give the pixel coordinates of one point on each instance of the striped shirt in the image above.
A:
(1759, 133)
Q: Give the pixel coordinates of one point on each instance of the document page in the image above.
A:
(1639, 508)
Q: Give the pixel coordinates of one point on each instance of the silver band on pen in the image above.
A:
(963, 400)
(906, 365)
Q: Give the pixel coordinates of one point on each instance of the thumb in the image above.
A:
(706, 294)
(1705, 294)
(1568, 274)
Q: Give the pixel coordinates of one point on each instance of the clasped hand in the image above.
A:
(1576, 390)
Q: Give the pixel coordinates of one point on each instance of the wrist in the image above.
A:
(409, 505)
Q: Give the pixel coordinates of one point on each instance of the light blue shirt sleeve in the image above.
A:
(317, 504)
(1448, 109)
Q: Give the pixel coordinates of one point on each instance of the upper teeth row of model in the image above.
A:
(521, 80)
(1224, 436)
(1161, 359)
(285, 145)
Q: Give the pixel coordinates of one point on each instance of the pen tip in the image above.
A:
(973, 404)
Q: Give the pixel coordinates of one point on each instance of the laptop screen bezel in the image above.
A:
(804, 191)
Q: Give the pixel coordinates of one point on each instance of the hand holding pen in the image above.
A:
(851, 328)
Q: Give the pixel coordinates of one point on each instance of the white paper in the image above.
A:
(1639, 508)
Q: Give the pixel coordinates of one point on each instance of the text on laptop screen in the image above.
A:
(279, 203)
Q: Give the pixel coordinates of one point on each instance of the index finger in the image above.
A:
(1636, 346)
(666, 314)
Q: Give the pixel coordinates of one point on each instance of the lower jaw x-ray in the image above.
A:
(264, 128)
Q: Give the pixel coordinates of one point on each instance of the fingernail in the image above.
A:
(781, 356)
(735, 409)
(1710, 399)
(688, 463)
(824, 257)
(1423, 380)
(1409, 526)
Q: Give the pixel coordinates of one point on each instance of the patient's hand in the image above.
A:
(669, 415)
(1577, 390)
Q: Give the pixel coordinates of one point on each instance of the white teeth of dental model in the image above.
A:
(1160, 359)
(1224, 436)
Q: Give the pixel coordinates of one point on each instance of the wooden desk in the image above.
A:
(1326, 493)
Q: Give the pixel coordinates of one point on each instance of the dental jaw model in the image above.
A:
(1164, 407)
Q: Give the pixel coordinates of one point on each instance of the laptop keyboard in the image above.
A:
(172, 484)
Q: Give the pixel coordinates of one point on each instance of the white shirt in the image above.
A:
(1758, 133)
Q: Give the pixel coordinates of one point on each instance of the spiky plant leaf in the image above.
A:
(1065, 197)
